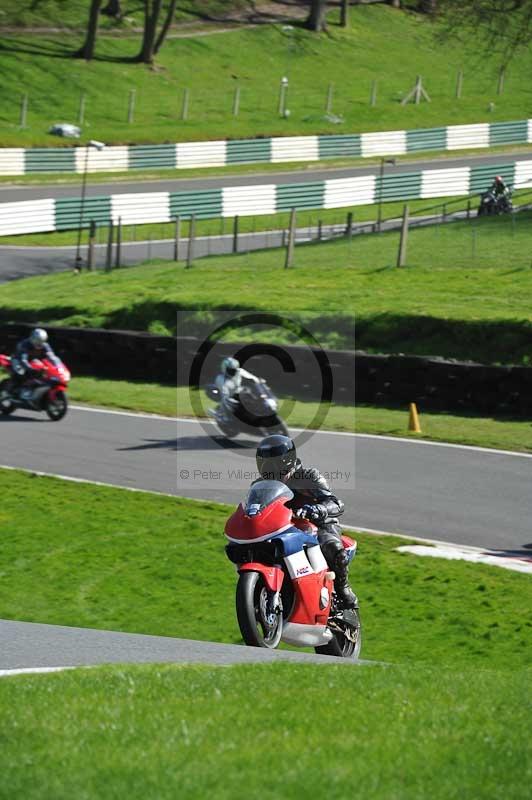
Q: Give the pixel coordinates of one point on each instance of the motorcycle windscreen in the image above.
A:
(263, 494)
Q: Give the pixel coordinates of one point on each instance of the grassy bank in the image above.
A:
(381, 44)
(78, 554)
(195, 732)
(508, 434)
(465, 294)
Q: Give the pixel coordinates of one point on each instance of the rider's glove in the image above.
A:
(314, 514)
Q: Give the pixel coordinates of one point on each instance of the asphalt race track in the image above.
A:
(304, 173)
(461, 495)
(27, 645)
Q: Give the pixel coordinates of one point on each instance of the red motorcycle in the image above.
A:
(285, 590)
(43, 392)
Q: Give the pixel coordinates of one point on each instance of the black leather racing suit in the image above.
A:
(25, 352)
(310, 488)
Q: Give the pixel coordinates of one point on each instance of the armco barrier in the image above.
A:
(433, 383)
(276, 150)
(136, 208)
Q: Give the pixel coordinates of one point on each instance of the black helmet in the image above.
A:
(276, 457)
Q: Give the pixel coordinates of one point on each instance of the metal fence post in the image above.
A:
(118, 251)
(373, 98)
(23, 110)
(459, 79)
(92, 237)
(109, 252)
(131, 106)
(81, 114)
(500, 83)
(469, 208)
(184, 108)
(236, 101)
(283, 90)
(235, 234)
(329, 104)
(177, 236)
(191, 234)
(349, 224)
(320, 230)
(403, 241)
(291, 240)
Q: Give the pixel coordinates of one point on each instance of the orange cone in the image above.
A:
(413, 419)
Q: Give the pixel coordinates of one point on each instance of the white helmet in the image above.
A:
(230, 366)
(38, 337)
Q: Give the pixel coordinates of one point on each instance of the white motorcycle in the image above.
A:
(254, 411)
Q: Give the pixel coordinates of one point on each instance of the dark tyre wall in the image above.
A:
(433, 383)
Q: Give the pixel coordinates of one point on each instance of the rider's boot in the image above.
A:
(346, 596)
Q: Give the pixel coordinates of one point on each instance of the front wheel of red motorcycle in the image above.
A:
(260, 624)
(346, 639)
(6, 405)
(56, 407)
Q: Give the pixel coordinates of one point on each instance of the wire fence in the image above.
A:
(432, 236)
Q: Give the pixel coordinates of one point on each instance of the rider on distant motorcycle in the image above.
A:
(313, 500)
(501, 193)
(231, 380)
(35, 346)
(499, 188)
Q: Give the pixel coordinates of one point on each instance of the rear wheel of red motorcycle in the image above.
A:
(57, 407)
(342, 644)
(258, 627)
(6, 406)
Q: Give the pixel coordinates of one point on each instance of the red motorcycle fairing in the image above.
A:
(273, 519)
(273, 576)
(312, 605)
(5, 361)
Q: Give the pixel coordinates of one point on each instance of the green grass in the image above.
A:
(91, 556)
(456, 635)
(382, 44)
(499, 432)
(73, 14)
(466, 293)
(266, 731)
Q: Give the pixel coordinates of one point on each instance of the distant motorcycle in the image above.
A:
(285, 590)
(45, 391)
(255, 412)
(492, 204)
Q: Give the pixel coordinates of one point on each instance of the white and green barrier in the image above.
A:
(142, 207)
(187, 155)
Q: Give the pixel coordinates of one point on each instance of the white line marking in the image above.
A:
(6, 673)
(373, 436)
(143, 415)
(475, 556)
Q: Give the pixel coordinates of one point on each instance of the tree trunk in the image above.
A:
(428, 6)
(152, 9)
(113, 9)
(344, 13)
(166, 27)
(86, 51)
(316, 19)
